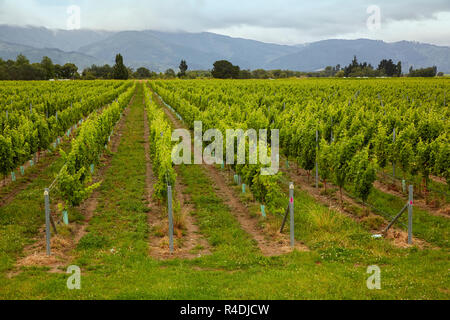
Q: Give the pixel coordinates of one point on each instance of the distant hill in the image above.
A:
(10, 51)
(332, 52)
(161, 50)
(40, 37)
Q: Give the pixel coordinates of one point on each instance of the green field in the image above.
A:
(118, 234)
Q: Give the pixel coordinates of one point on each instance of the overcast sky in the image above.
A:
(277, 21)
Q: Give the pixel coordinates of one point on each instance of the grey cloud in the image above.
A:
(306, 19)
(323, 18)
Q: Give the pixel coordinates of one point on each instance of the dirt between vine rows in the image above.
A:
(303, 181)
(62, 246)
(438, 179)
(190, 244)
(444, 211)
(269, 243)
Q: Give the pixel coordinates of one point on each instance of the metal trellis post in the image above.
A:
(291, 210)
(393, 164)
(169, 204)
(47, 220)
(410, 213)
(317, 166)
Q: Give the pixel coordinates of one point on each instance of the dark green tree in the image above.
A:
(103, 72)
(48, 67)
(225, 70)
(183, 68)
(119, 70)
(399, 69)
(245, 74)
(170, 74)
(21, 60)
(260, 74)
(142, 73)
(67, 71)
(389, 68)
(21, 69)
(424, 72)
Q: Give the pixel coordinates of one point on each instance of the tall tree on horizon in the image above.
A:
(49, 68)
(119, 70)
(183, 68)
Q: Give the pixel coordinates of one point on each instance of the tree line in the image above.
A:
(224, 69)
(386, 68)
(22, 69)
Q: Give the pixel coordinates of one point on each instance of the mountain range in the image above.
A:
(162, 50)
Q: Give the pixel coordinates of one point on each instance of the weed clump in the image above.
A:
(92, 241)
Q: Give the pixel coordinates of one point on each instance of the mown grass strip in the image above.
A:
(120, 219)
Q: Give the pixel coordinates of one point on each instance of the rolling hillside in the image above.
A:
(11, 50)
(161, 50)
